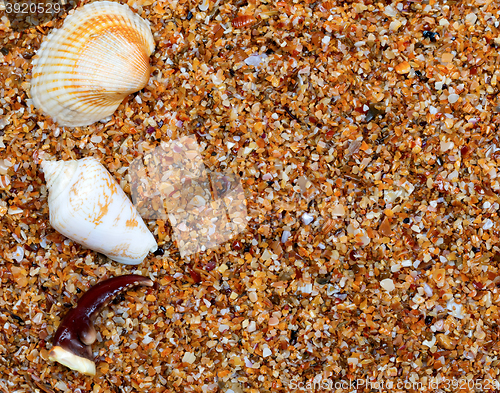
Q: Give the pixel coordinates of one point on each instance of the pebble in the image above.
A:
(452, 98)
(471, 18)
(307, 218)
(18, 254)
(388, 284)
(338, 210)
(455, 309)
(284, 236)
(488, 224)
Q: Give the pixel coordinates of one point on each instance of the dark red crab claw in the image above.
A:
(76, 333)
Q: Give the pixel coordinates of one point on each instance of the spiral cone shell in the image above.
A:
(87, 205)
(84, 70)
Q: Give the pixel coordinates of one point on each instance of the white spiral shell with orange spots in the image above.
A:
(87, 205)
(84, 70)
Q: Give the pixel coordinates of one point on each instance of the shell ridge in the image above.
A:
(109, 58)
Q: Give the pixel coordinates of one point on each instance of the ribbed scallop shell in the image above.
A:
(85, 69)
(87, 205)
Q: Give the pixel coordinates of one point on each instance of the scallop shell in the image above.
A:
(85, 69)
(87, 205)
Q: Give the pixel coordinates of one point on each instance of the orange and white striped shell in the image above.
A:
(84, 70)
(87, 205)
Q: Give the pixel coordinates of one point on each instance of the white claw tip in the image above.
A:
(74, 362)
